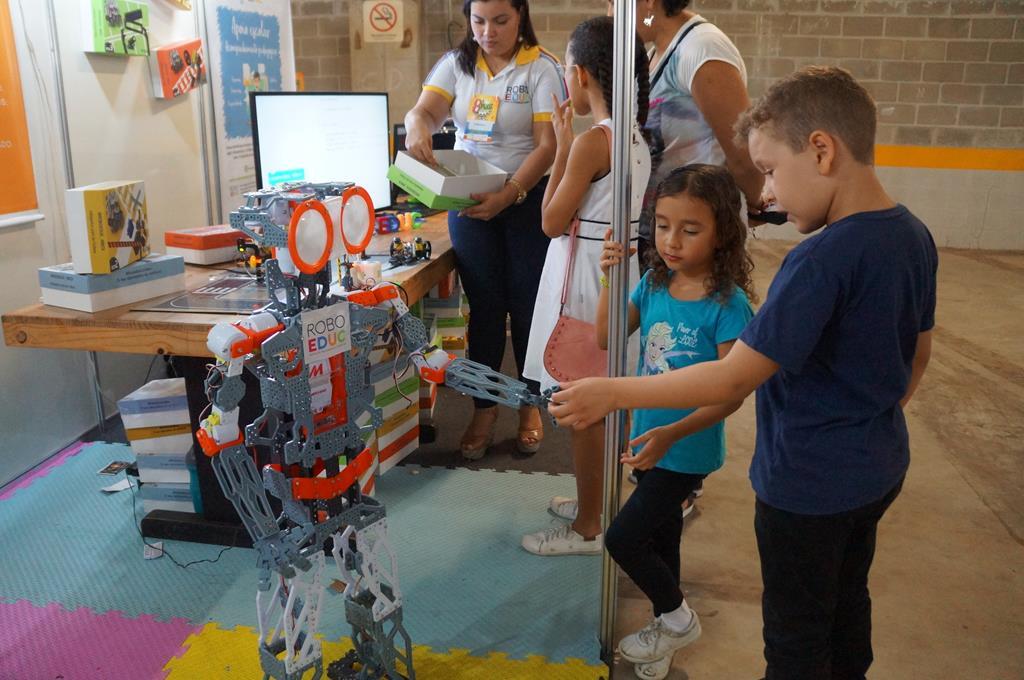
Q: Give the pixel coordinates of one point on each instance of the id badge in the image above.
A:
(481, 117)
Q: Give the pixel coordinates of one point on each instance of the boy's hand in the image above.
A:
(656, 441)
(581, 403)
(611, 254)
(561, 121)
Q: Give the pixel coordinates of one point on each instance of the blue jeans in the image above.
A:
(816, 606)
(644, 537)
(499, 262)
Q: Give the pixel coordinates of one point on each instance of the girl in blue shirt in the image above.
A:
(690, 307)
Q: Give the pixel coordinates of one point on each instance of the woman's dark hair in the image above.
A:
(674, 7)
(467, 49)
(592, 46)
(731, 265)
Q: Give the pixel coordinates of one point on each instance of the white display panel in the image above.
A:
(320, 137)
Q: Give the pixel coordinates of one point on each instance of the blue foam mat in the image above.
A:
(465, 580)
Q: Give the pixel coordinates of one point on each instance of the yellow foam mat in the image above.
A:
(216, 653)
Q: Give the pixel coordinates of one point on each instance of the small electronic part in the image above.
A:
(253, 257)
(408, 252)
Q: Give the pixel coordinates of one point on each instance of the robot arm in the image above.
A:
(438, 367)
(231, 343)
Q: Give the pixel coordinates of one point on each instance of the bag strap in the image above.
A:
(668, 53)
(575, 227)
(572, 257)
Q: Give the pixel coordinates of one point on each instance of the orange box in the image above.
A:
(177, 69)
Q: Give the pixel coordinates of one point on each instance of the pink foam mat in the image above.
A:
(52, 642)
(46, 467)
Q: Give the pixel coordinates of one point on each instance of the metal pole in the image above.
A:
(69, 182)
(204, 142)
(210, 143)
(614, 433)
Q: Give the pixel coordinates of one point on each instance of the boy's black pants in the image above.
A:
(816, 606)
(644, 537)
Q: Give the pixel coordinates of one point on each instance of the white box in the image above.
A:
(156, 404)
(205, 257)
(169, 445)
(163, 468)
(160, 496)
(462, 174)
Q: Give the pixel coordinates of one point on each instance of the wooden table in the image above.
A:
(184, 334)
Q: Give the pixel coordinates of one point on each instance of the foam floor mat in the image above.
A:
(469, 588)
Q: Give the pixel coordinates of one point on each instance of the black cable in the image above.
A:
(165, 551)
(150, 369)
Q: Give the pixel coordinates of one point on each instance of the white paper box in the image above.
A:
(471, 175)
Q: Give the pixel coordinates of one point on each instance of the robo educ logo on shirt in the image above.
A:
(518, 94)
(325, 332)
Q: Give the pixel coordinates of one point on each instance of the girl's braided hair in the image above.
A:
(731, 264)
(592, 47)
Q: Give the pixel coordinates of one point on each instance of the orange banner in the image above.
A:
(17, 182)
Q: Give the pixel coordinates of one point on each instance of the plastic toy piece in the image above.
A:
(310, 436)
(388, 224)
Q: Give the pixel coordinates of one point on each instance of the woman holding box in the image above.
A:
(497, 85)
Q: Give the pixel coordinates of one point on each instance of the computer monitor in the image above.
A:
(322, 136)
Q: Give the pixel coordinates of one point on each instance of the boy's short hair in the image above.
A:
(824, 98)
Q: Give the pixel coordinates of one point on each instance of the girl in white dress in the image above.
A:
(581, 185)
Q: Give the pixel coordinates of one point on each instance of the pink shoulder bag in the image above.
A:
(571, 352)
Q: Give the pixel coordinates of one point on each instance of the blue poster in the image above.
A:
(250, 61)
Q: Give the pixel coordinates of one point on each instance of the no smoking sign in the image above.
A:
(383, 20)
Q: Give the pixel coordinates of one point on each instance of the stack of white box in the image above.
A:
(428, 390)
(445, 303)
(156, 421)
(396, 386)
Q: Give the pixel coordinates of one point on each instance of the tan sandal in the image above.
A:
(479, 435)
(531, 430)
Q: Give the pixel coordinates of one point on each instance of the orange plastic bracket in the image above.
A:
(322, 489)
(210, 446)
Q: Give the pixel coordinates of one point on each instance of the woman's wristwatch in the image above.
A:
(520, 191)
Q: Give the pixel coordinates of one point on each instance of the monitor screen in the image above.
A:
(321, 137)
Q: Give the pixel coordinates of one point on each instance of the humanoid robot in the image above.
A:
(310, 349)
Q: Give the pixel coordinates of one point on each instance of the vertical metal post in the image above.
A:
(208, 123)
(622, 181)
(69, 181)
(204, 142)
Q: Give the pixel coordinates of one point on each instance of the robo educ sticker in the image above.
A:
(325, 332)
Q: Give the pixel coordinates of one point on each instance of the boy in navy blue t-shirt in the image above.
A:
(835, 352)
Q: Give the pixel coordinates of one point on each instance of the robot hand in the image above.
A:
(474, 379)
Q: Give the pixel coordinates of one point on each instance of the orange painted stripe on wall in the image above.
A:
(949, 158)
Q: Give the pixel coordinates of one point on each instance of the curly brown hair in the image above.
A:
(732, 265)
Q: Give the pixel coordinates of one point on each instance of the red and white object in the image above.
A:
(204, 245)
(177, 69)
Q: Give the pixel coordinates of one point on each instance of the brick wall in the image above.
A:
(944, 72)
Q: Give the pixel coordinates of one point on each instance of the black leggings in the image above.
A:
(644, 537)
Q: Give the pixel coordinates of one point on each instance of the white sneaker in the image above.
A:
(688, 505)
(655, 641)
(561, 540)
(656, 670)
(566, 508)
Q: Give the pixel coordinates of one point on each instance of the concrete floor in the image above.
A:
(948, 577)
